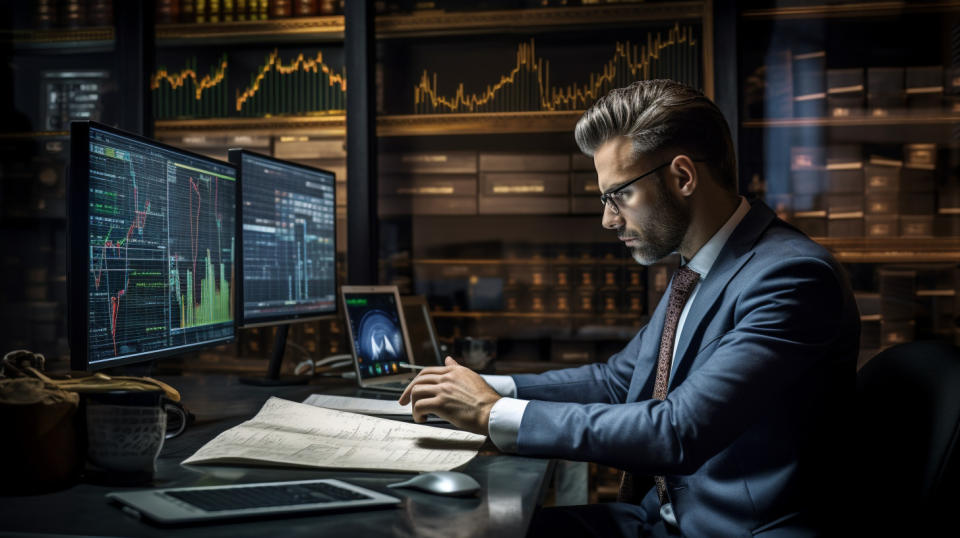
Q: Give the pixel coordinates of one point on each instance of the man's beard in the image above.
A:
(662, 233)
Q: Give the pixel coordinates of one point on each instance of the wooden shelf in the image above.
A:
(500, 122)
(92, 39)
(429, 23)
(321, 125)
(852, 10)
(433, 23)
(323, 29)
(905, 127)
(894, 249)
(477, 123)
(35, 134)
(410, 125)
(921, 118)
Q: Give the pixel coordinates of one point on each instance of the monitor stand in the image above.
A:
(273, 378)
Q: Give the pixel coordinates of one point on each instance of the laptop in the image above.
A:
(198, 504)
(421, 331)
(378, 337)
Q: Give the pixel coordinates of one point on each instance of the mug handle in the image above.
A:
(177, 409)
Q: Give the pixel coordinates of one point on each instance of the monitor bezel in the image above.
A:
(373, 381)
(78, 227)
(235, 157)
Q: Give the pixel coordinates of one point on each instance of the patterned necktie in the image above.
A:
(684, 281)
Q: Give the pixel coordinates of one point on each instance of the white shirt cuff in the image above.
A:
(504, 425)
(504, 385)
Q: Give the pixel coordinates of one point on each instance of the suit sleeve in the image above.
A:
(600, 382)
(784, 324)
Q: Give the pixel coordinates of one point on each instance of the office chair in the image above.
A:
(908, 424)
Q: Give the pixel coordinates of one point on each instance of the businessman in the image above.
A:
(735, 397)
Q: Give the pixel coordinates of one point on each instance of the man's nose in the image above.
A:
(609, 219)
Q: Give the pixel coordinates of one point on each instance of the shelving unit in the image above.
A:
(905, 286)
(858, 9)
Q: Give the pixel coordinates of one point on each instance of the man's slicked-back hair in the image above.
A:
(661, 116)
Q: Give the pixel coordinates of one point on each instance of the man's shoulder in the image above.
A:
(781, 240)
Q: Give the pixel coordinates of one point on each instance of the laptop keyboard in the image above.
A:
(246, 497)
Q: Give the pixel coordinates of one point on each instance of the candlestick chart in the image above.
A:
(528, 85)
(185, 93)
(244, 84)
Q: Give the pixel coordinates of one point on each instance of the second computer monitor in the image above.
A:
(287, 257)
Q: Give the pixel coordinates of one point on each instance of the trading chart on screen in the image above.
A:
(289, 255)
(161, 240)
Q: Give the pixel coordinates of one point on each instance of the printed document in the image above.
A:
(291, 433)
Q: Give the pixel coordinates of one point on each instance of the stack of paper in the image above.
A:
(291, 433)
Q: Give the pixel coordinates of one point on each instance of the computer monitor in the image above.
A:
(287, 260)
(152, 233)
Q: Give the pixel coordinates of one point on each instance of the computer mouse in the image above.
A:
(442, 483)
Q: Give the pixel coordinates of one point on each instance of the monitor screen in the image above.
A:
(154, 229)
(376, 328)
(288, 254)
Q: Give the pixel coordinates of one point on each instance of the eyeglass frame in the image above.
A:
(609, 195)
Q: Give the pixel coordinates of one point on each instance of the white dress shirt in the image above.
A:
(507, 413)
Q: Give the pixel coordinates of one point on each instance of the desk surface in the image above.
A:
(512, 486)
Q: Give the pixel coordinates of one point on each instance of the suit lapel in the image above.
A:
(734, 254)
(643, 373)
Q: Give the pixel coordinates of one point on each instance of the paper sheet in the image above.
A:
(291, 433)
(366, 406)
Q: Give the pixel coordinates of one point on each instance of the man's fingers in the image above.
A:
(405, 396)
(421, 379)
(450, 362)
(424, 406)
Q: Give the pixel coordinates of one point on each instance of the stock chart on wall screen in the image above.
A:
(162, 243)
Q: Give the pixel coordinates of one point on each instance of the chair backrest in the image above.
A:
(908, 423)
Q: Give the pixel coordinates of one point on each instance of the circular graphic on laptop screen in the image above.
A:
(379, 337)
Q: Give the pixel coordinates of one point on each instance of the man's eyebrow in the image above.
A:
(617, 186)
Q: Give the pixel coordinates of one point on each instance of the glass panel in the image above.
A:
(57, 67)
(849, 121)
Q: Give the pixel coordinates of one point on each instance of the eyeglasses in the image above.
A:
(616, 196)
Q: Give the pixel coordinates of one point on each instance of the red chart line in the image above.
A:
(194, 226)
(139, 222)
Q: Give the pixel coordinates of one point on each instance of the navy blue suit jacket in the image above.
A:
(750, 437)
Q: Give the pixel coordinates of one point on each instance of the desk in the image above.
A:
(513, 486)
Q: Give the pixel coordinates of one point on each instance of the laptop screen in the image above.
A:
(377, 333)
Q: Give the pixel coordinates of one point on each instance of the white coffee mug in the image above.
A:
(126, 430)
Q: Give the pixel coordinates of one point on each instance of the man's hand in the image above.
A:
(454, 393)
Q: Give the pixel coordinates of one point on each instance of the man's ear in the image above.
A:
(685, 175)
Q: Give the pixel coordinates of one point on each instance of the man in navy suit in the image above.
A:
(735, 396)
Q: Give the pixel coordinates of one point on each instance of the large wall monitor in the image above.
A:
(153, 238)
